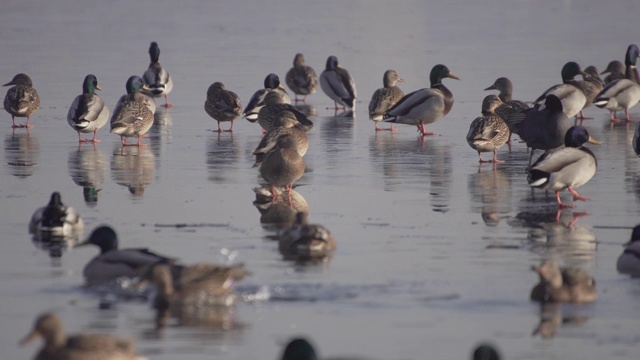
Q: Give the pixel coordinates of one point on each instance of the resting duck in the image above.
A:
(285, 123)
(629, 261)
(511, 111)
(113, 263)
(337, 84)
(156, 77)
(544, 127)
(304, 240)
(622, 94)
(591, 86)
(135, 84)
(569, 92)
(22, 99)
(222, 105)
(132, 119)
(59, 346)
(56, 219)
(615, 69)
(301, 79)
(385, 97)
(566, 168)
(271, 84)
(273, 105)
(563, 285)
(88, 113)
(424, 106)
(282, 166)
(488, 132)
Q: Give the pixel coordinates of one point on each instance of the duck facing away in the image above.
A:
(385, 97)
(566, 168)
(222, 105)
(424, 106)
(285, 123)
(615, 69)
(156, 77)
(56, 219)
(133, 119)
(59, 346)
(544, 127)
(282, 166)
(591, 86)
(629, 261)
(113, 263)
(301, 78)
(563, 285)
(304, 240)
(256, 102)
(488, 132)
(622, 94)
(569, 92)
(336, 82)
(22, 99)
(136, 84)
(511, 111)
(273, 105)
(88, 113)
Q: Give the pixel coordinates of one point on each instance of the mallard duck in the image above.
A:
(591, 86)
(156, 77)
(22, 99)
(197, 285)
(385, 97)
(301, 79)
(563, 285)
(511, 111)
(615, 69)
(285, 123)
(485, 352)
(271, 84)
(282, 166)
(544, 127)
(299, 349)
(274, 105)
(569, 92)
(306, 240)
(629, 261)
(113, 263)
(488, 132)
(424, 106)
(133, 119)
(222, 104)
(337, 83)
(622, 94)
(88, 113)
(56, 219)
(59, 346)
(135, 84)
(566, 168)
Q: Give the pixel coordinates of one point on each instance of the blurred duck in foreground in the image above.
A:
(385, 97)
(563, 285)
(425, 106)
(629, 261)
(566, 168)
(488, 132)
(485, 352)
(59, 346)
(156, 77)
(22, 99)
(56, 219)
(88, 113)
(301, 79)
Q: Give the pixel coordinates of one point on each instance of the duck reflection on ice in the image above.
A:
(212, 317)
(308, 110)
(222, 154)
(54, 244)
(278, 214)
(133, 167)
(88, 169)
(21, 153)
(490, 190)
(552, 318)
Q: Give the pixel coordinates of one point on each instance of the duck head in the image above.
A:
(440, 72)
(332, 63)
(90, 84)
(20, 79)
(577, 135)
(103, 237)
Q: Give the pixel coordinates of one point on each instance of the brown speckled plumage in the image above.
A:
(22, 99)
(222, 104)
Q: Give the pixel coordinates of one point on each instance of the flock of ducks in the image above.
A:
(565, 164)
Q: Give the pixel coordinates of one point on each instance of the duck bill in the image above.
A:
(29, 338)
(98, 87)
(145, 87)
(400, 79)
(9, 83)
(593, 141)
(453, 76)
(492, 87)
